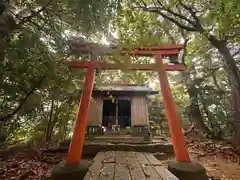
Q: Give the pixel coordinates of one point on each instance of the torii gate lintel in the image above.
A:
(116, 66)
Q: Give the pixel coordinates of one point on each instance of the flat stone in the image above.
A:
(63, 171)
(92, 148)
(188, 171)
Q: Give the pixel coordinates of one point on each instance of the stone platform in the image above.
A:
(123, 143)
(118, 138)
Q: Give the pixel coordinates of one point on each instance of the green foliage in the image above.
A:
(224, 15)
(139, 29)
(32, 73)
(33, 77)
(218, 18)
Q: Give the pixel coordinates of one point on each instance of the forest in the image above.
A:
(39, 93)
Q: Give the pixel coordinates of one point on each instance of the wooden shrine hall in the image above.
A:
(119, 107)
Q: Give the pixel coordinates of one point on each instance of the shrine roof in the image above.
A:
(125, 88)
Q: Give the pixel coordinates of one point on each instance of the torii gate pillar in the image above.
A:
(75, 168)
(176, 133)
(183, 168)
(76, 146)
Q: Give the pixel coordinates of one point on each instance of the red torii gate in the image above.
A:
(179, 145)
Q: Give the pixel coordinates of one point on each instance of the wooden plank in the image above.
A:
(88, 176)
(137, 173)
(152, 159)
(111, 66)
(122, 172)
(139, 110)
(107, 172)
(120, 157)
(130, 154)
(131, 158)
(165, 174)
(150, 173)
(95, 167)
(97, 161)
(141, 158)
(121, 165)
(109, 157)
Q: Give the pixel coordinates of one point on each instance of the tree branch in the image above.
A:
(23, 101)
(175, 14)
(193, 14)
(34, 13)
(143, 2)
(189, 9)
(156, 10)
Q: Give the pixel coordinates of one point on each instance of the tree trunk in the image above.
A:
(7, 25)
(62, 129)
(234, 83)
(52, 122)
(48, 128)
(207, 112)
(55, 118)
(216, 132)
(64, 126)
(193, 110)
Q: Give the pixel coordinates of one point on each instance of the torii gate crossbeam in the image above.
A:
(111, 66)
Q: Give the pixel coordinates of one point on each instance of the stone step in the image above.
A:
(118, 139)
(92, 148)
(125, 137)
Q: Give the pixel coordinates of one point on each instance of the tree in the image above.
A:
(33, 36)
(217, 21)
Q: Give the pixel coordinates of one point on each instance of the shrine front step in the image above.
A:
(91, 149)
(116, 139)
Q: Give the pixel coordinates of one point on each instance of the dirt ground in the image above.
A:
(219, 159)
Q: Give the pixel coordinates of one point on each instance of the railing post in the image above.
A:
(76, 146)
(177, 137)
